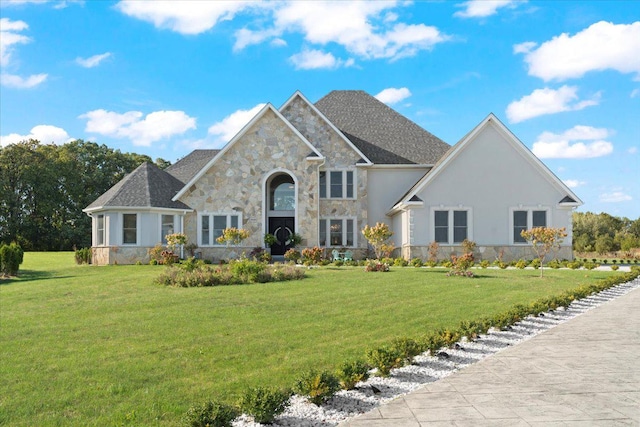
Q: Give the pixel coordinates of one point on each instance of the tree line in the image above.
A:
(603, 233)
(44, 187)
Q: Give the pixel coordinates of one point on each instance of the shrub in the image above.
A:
(373, 265)
(245, 272)
(264, 404)
(434, 341)
(338, 263)
(352, 372)
(259, 254)
(574, 265)
(433, 251)
(536, 263)
(83, 256)
(461, 265)
(385, 359)
(11, 256)
(292, 255)
(468, 246)
(554, 263)
(312, 255)
(408, 348)
(614, 267)
(316, 386)
(416, 262)
(155, 253)
(210, 414)
(431, 263)
(233, 236)
(400, 262)
(590, 265)
(521, 264)
(484, 263)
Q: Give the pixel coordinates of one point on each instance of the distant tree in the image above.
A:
(43, 189)
(604, 244)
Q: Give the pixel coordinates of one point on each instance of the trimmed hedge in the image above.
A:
(11, 256)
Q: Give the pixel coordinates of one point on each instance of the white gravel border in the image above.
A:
(427, 369)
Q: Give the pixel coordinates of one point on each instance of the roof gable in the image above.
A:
(381, 133)
(514, 142)
(298, 95)
(146, 187)
(188, 166)
(314, 153)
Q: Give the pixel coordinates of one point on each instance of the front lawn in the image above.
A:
(85, 345)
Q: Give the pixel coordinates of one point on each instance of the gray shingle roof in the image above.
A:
(381, 133)
(147, 186)
(188, 166)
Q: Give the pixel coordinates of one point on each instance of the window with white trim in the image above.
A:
(337, 232)
(337, 184)
(129, 229)
(166, 227)
(525, 219)
(211, 226)
(100, 230)
(451, 226)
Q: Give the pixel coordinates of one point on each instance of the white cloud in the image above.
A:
(573, 183)
(360, 27)
(368, 30)
(228, 127)
(548, 101)
(141, 131)
(601, 46)
(635, 93)
(483, 8)
(632, 150)
(310, 59)
(185, 17)
(579, 142)
(46, 134)
(615, 197)
(525, 47)
(9, 37)
(393, 95)
(18, 82)
(92, 61)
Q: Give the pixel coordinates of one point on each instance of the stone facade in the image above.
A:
(106, 255)
(237, 183)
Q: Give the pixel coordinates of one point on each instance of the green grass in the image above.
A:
(84, 345)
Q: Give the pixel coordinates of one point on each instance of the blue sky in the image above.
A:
(162, 78)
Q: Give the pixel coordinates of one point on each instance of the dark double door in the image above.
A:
(282, 228)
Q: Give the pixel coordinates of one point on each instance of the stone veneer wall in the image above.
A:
(489, 253)
(339, 155)
(235, 182)
(107, 255)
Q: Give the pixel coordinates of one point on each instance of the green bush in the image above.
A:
(521, 264)
(236, 273)
(264, 404)
(352, 372)
(434, 342)
(210, 414)
(484, 263)
(374, 265)
(83, 256)
(400, 262)
(11, 256)
(408, 348)
(316, 386)
(338, 263)
(590, 265)
(385, 359)
(614, 267)
(417, 262)
(536, 263)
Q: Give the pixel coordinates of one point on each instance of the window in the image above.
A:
(525, 219)
(212, 225)
(451, 226)
(129, 229)
(337, 232)
(340, 185)
(282, 194)
(100, 230)
(166, 227)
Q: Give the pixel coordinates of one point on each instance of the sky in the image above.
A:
(163, 78)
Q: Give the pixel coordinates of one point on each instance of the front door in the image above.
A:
(282, 228)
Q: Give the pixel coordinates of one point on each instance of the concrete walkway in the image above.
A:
(585, 372)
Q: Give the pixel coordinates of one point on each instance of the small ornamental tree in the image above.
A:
(543, 240)
(232, 236)
(377, 237)
(176, 241)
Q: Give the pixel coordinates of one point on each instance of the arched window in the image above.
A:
(282, 195)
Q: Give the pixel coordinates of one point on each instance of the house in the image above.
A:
(326, 170)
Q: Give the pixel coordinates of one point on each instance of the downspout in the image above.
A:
(324, 160)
